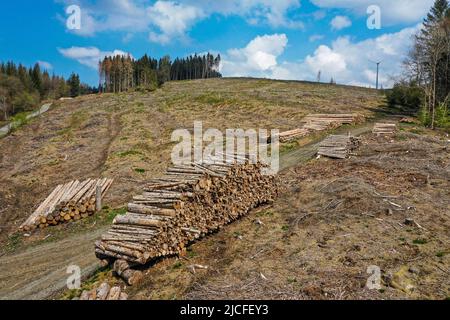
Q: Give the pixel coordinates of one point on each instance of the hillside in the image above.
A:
(333, 218)
(113, 135)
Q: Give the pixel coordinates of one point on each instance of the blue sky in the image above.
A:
(284, 39)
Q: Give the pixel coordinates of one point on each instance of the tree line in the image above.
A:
(22, 88)
(122, 73)
(425, 85)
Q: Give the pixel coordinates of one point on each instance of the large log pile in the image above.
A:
(338, 146)
(187, 203)
(72, 201)
(384, 128)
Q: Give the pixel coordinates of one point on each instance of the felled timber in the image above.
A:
(338, 146)
(384, 129)
(291, 135)
(321, 122)
(72, 201)
(104, 292)
(187, 203)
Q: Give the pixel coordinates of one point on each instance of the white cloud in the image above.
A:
(346, 61)
(392, 12)
(45, 65)
(172, 19)
(327, 59)
(340, 22)
(270, 12)
(89, 56)
(258, 58)
(167, 20)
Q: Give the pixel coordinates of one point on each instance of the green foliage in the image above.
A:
(74, 85)
(420, 241)
(442, 117)
(407, 96)
(111, 214)
(129, 153)
(424, 116)
(22, 89)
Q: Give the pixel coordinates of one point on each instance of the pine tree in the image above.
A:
(74, 85)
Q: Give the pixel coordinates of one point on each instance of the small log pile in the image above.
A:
(104, 292)
(72, 201)
(321, 122)
(291, 135)
(384, 128)
(338, 147)
(186, 204)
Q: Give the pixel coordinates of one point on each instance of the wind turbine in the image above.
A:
(378, 69)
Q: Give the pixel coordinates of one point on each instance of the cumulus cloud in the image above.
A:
(340, 22)
(346, 61)
(393, 12)
(258, 58)
(89, 56)
(172, 19)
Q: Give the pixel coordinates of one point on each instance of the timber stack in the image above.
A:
(338, 146)
(68, 202)
(291, 135)
(321, 122)
(187, 203)
(384, 128)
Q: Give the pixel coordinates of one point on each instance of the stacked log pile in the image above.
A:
(104, 292)
(338, 147)
(384, 128)
(291, 135)
(186, 204)
(72, 201)
(321, 122)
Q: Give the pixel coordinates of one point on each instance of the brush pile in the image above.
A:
(186, 204)
(72, 201)
(384, 128)
(338, 147)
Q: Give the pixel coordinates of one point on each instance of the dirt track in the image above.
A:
(39, 272)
